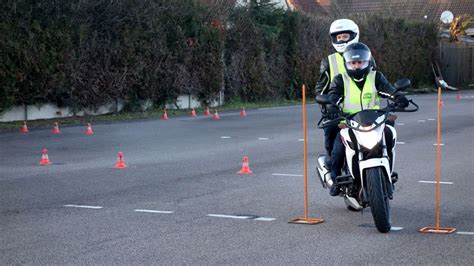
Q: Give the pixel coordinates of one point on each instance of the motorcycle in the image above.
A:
(368, 176)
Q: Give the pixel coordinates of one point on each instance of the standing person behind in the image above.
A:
(355, 90)
(343, 32)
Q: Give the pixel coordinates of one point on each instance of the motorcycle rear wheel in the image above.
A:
(379, 202)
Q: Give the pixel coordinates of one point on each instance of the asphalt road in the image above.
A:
(181, 200)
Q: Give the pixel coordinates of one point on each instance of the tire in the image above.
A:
(379, 202)
(350, 208)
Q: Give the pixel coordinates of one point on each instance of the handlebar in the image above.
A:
(391, 107)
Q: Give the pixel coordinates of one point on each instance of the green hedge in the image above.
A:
(89, 52)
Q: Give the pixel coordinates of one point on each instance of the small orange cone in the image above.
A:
(120, 162)
(89, 130)
(242, 112)
(164, 116)
(245, 167)
(56, 128)
(44, 158)
(193, 112)
(24, 128)
(206, 112)
(216, 115)
(458, 96)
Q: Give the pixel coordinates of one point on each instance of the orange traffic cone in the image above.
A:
(56, 128)
(164, 116)
(89, 130)
(245, 167)
(24, 128)
(458, 96)
(120, 162)
(45, 158)
(216, 115)
(193, 112)
(206, 112)
(242, 112)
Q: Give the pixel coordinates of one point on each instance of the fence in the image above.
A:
(457, 62)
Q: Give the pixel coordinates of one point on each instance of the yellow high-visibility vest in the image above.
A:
(336, 65)
(356, 100)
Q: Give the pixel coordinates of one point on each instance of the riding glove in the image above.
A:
(401, 101)
(332, 112)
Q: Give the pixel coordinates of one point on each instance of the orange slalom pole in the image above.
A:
(305, 220)
(437, 229)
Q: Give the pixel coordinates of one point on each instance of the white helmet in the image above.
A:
(343, 26)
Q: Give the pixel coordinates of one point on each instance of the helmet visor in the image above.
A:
(353, 65)
(357, 59)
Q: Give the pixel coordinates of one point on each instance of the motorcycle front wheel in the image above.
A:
(378, 200)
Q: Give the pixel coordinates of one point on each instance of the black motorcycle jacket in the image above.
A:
(324, 79)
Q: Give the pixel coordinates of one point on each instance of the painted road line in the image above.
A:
(84, 206)
(152, 211)
(300, 139)
(465, 233)
(229, 216)
(400, 124)
(286, 175)
(434, 182)
(266, 219)
(431, 119)
(400, 142)
(436, 144)
(396, 228)
(421, 121)
(243, 217)
(263, 138)
(226, 137)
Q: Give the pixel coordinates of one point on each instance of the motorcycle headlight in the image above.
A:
(370, 139)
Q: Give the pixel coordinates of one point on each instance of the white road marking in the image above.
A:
(400, 142)
(436, 144)
(228, 216)
(152, 211)
(465, 233)
(286, 175)
(242, 217)
(431, 119)
(300, 139)
(421, 121)
(396, 228)
(400, 124)
(225, 137)
(434, 182)
(266, 219)
(263, 138)
(83, 206)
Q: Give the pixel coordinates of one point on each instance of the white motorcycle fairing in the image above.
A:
(368, 140)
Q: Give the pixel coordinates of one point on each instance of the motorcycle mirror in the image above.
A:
(323, 99)
(402, 84)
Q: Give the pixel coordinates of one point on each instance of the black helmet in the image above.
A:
(357, 58)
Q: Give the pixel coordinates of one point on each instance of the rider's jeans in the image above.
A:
(337, 156)
(330, 134)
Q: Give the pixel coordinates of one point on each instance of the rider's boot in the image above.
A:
(394, 179)
(334, 190)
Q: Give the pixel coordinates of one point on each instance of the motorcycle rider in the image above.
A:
(354, 90)
(343, 32)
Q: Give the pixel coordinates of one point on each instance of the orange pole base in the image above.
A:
(437, 230)
(306, 221)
